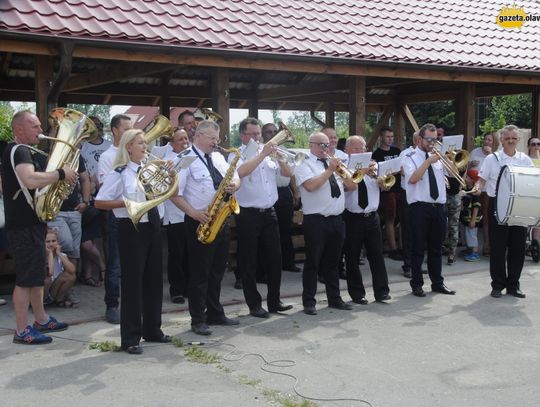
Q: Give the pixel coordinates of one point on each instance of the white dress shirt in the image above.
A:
(491, 167)
(196, 185)
(258, 189)
(122, 183)
(419, 192)
(319, 201)
(404, 153)
(374, 193)
(172, 213)
(105, 165)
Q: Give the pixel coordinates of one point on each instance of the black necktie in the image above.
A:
(153, 214)
(215, 174)
(362, 195)
(433, 189)
(334, 187)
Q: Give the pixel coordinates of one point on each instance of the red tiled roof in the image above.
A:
(460, 33)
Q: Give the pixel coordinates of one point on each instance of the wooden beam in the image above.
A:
(4, 63)
(308, 89)
(398, 125)
(221, 101)
(114, 73)
(535, 131)
(61, 77)
(465, 114)
(330, 115)
(408, 116)
(43, 81)
(383, 121)
(425, 97)
(357, 106)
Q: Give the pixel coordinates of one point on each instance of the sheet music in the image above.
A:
(452, 143)
(390, 167)
(361, 160)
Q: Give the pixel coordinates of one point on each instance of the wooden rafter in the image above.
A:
(383, 121)
(308, 89)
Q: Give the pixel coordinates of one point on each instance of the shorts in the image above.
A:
(389, 204)
(28, 248)
(68, 224)
(93, 228)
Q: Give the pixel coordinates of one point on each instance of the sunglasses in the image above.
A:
(321, 145)
(430, 139)
(535, 144)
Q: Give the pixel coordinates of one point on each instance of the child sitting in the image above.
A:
(471, 216)
(60, 274)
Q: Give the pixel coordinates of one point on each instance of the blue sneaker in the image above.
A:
(31, 336)
(472, 257)
(52, 325)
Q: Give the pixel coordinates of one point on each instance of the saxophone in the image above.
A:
(222, 205)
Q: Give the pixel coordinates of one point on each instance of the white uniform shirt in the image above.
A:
(91, 154)
(105, 165)
(319, 201)
(172, 213)
(373, 191)
(282, 181)
(404, 153)
(419, 192)
(258, 189)
(196, 185)
(493, 163)
(122, 183)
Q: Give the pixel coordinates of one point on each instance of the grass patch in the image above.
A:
(106, 346)
(179, 343)
(198, 355)
(249, 381)
(287, 401)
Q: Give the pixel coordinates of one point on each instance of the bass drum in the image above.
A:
(518, 196)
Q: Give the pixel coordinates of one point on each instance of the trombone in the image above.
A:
(453, 161)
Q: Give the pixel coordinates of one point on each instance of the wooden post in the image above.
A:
(253, 109)
(330, 118)
(398, 125)
(535, 128)
(221, 101)
(357, 105)
(465, 114)
(43, 82)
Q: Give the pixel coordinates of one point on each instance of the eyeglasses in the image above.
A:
(430, 139)
(321, 145)
(535, 144)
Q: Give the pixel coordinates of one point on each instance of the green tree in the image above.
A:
(443, 113)
(101, 111)
(511, 109)
(6, 113)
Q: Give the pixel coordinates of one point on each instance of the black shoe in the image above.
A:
(261, 280)
(259, 312)
(395, 255)
(425, 272)
(293, 269)
(406, 271)
(418, 292)
(383, 298)
(321, 280)
(516, 293)
(496, 293)
(310, 310)
(451, 261)
(134, 350)
(238, 284)
(362, 262)
(361, 301)
(201, 329)
(178, 299)
(223, 321)
(343, 275)
(340, 305)
(280, 307)
(442, 289)
(162, 339)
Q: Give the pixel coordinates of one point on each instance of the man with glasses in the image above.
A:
(507, 243)
(323, 202)
(426, 196)
(197, 187)
(257, 226)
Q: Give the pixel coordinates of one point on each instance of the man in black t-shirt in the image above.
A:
(391, 199)
(26, 233)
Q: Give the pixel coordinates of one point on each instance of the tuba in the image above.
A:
(161, 127)
(284, 135)
(202, 113)
(222, 205)
(73, 128)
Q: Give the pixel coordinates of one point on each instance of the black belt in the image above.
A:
(318, 215)
(260, 210)
(363, 214)
(433, 204)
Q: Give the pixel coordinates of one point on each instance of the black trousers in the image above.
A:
(507, 252)
(206, 268)
(258, 236)
(285, 211)
(323, 238)
(428, 229)
(141, 282)
(405, 224)
(177, 265)
(364, 230)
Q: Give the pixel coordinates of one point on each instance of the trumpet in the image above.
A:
(388, 180)
(357, 176)
(452, 161)
(292, 159)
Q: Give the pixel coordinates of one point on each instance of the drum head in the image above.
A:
(504, 198)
